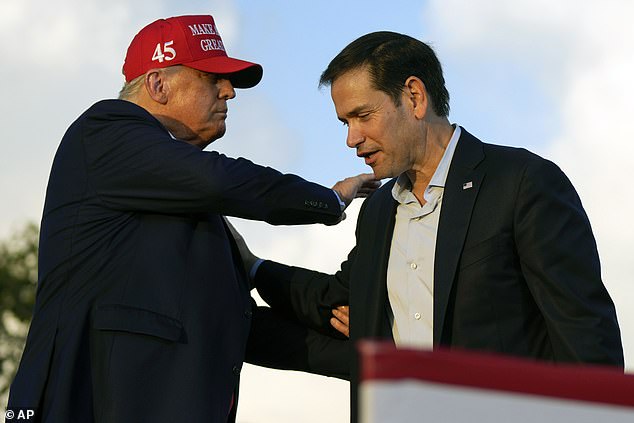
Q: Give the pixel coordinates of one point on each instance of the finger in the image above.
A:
(367, 188)
(366, 176)
(370, 186)
(340, 327)
(342, 314)
(374, 184)
(344, 309)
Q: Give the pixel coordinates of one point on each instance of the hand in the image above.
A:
(359, 186)
(248, 258)
(341, 321)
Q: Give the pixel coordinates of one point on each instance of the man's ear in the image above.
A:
(156, 85)
(415, 94)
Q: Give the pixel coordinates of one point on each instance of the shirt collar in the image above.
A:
(403, 186)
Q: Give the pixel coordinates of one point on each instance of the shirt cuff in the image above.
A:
(341, 203)
(254, 268)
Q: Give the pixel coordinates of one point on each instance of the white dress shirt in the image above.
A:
(410, 271)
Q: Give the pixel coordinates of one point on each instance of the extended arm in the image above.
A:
(303, 294)
(280, 342)
(134, 165)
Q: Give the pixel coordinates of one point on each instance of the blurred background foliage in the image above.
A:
(18, 280)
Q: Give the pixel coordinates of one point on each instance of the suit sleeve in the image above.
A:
(134, 165)
(559, 259)
(303, 294)
(280, 342)
(307, 295)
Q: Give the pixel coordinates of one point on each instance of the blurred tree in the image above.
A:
(18, 279)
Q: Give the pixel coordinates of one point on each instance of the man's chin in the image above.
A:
(217, 135)
(378, 173)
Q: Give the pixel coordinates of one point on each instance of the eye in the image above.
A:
(211, 78)
(344, 122)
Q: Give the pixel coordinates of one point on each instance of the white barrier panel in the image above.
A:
(451, 387)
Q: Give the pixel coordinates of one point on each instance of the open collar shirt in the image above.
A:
(410, 272)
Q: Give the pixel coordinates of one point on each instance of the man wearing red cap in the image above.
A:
(143, 308)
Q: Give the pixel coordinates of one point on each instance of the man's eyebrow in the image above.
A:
(357, 110)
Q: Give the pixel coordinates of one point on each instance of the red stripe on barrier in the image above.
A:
(602, 384)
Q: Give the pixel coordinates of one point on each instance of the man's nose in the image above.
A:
(354, 137)
(225, 89)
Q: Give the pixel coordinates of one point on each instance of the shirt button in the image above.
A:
(413, 266)
(417, 316)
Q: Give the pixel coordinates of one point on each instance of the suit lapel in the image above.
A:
(461, 190)
(376, 265)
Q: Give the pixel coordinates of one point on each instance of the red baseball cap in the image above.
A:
(191, 41)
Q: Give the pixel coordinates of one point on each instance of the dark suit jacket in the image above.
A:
(516, 265)
(143, 311)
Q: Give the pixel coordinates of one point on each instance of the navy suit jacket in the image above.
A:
(143, 311)
(516, 266)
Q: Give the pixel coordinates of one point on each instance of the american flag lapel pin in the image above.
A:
(467, 185)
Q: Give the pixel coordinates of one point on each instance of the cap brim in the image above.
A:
(241, 73)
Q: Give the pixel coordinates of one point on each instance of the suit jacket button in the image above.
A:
(248, 314)
(236, 370)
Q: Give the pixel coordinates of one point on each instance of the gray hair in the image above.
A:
(132, 88)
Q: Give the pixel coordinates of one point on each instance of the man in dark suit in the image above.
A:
(143, 309)
(470, 245)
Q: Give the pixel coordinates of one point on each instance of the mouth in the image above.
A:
(368, 157)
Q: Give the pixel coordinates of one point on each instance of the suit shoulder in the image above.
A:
(117, 109)
(384, 192)
(509, 153)
(521, 162)
(514, 156)
(378, 198)
(113, 121)
(107, 118)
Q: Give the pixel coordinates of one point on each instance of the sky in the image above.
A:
(553, 76)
